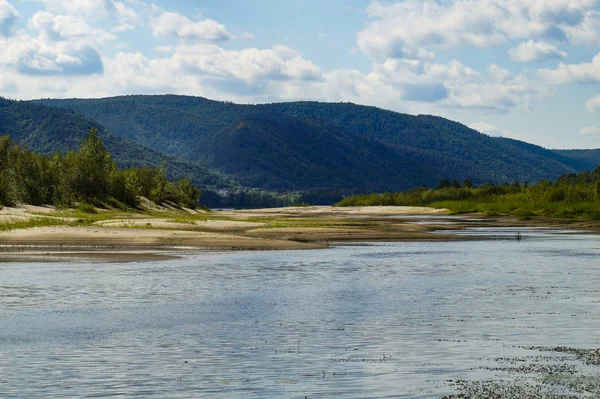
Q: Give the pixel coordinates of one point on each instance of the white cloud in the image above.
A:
(499, 74)
(585, 33)
(415, 71)
(590, 131)
(35, 57)
(593, 105)
(121, 17)
(423, 81)
(65, 27)
(535, 51)
(8, 18)
(498, 97)
(411, 28)
(249, 65)
(573, 73)
(170, 24)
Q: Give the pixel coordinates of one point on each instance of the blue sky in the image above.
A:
(527, 69)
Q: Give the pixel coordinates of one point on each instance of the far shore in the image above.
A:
(162, 234)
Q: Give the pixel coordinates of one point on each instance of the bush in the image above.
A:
(86, 207)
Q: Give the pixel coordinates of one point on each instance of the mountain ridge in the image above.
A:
(189, 127)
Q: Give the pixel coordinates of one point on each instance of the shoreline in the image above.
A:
(142, 236)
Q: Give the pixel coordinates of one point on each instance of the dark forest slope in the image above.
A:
(290, 153)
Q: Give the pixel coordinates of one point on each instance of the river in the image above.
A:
(386, 320)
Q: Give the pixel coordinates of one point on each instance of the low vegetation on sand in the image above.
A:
(570, 196)
(86, 177)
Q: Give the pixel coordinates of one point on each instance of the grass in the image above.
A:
(570, 199)
(31, 223)
(87, 208)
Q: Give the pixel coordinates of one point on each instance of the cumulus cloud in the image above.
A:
(593, 105)
(8, 18)
(31, 56)
(250, 64)
(590, 131)
(535, 51)
(117, 13)
(414, 28)
(421, 72)
(499, 74)
(497, 97)
(586, 33)
(170, 24)
(573, 73)
(65, 27)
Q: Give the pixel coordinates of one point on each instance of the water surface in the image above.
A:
(394, 320)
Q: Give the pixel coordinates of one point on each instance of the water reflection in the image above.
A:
(387, 320)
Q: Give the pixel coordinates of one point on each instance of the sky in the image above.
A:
(525, 69)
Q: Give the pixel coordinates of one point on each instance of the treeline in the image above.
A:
(88, 175)
(570, 196)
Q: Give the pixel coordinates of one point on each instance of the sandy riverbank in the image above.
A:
(120, 236)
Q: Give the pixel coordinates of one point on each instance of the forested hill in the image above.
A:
(46, 130)
(591, 158)
(288, 153)
(327, 145)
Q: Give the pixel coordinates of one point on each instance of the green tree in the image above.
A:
(93, 168)
(184, 193)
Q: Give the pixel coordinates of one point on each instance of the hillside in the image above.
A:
(45, 130)
(402, 150)
(591, 158)
(287, 153)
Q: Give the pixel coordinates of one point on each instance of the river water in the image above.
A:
(394, 320)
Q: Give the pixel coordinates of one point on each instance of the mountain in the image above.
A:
(327, 145)
(46, 129)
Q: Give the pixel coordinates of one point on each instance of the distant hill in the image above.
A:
(326, 145)
(591, 158)
(45, 130)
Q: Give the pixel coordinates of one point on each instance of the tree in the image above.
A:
(93, 168)
(467, 183)
(185, 193)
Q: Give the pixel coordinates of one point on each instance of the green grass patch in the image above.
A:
(31, 223)
(571, 197)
